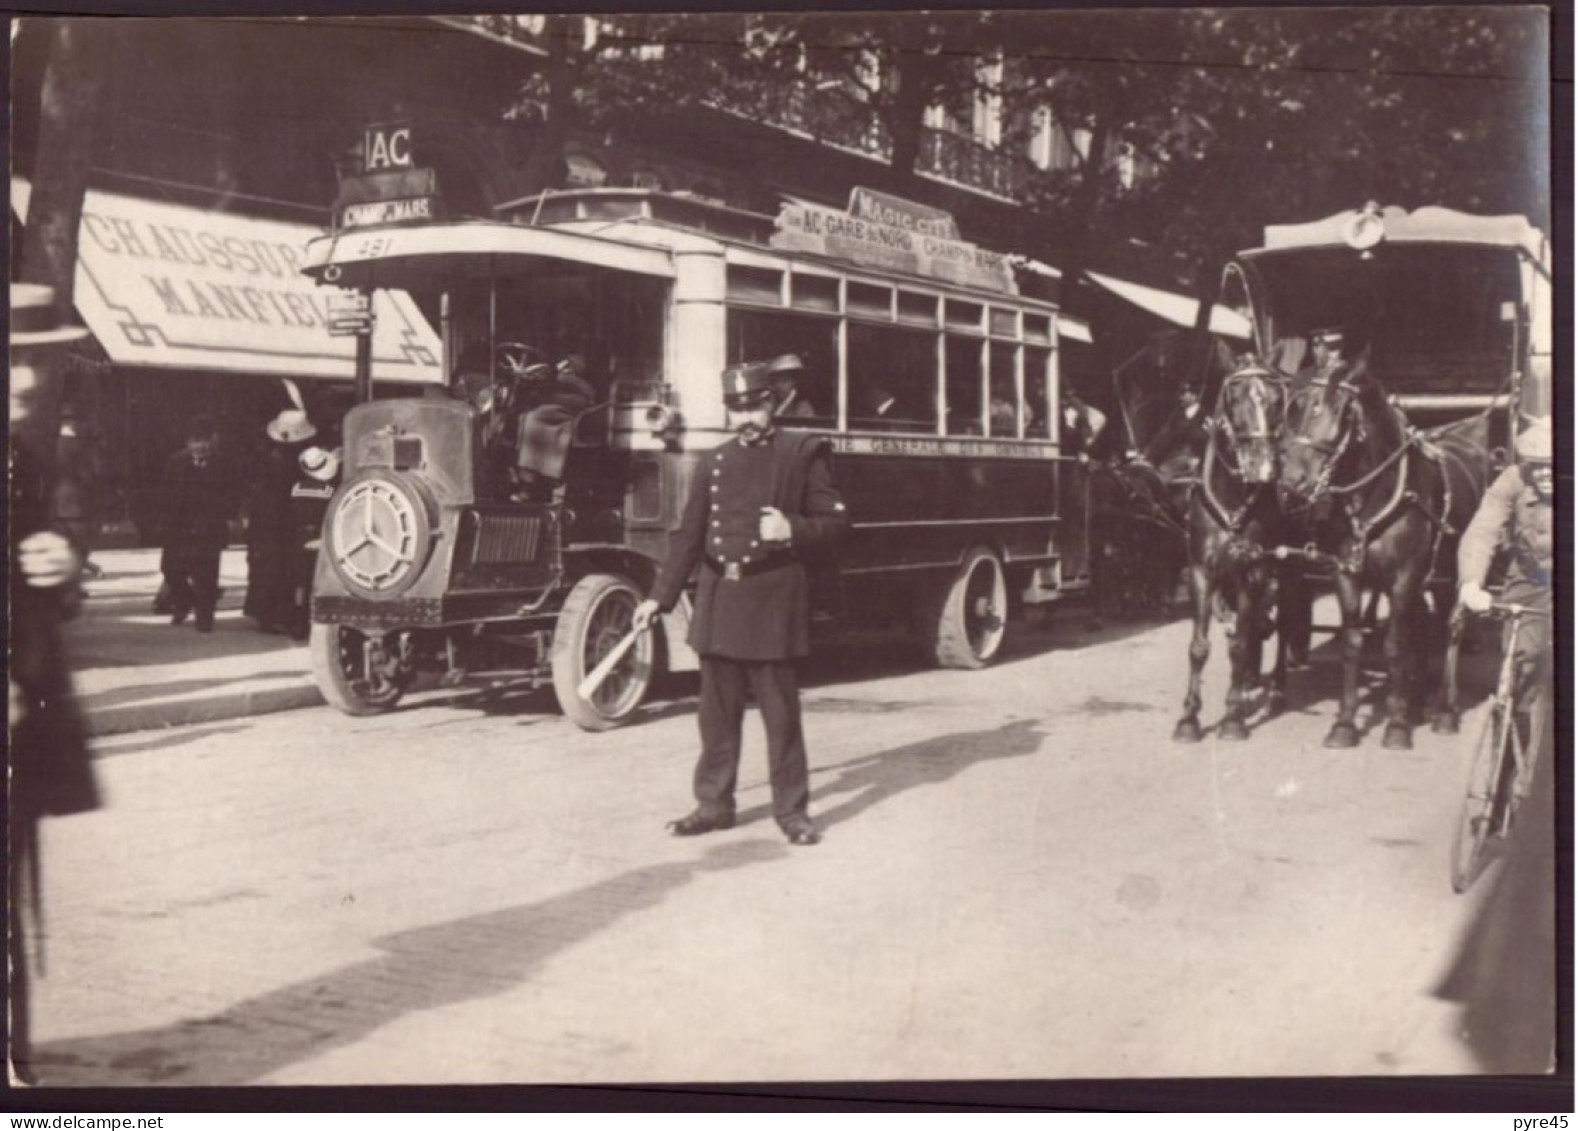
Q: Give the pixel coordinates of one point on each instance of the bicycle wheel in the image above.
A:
(1483, 805)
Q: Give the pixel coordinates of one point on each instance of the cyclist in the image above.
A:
(1516, 513)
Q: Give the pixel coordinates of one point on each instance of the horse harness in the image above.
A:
(1401, 498)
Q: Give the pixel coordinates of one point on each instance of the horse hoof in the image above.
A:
(1343, 736)
(1398, 737)
(1232, 730)
(1187, 730)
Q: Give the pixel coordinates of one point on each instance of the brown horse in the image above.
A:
(1381, 507)
(1234, 523)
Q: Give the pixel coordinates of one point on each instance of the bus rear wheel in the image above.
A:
(966, 619)
(354, 671)
(595, 618)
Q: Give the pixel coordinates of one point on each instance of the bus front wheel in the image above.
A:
(354, 671)
(967, 617)
(596, 617)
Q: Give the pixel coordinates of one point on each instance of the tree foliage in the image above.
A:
(1188, 129)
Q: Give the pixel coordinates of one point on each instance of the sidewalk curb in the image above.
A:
(105, 721)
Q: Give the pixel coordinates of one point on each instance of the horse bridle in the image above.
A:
(1331, 451)
(1255, 378)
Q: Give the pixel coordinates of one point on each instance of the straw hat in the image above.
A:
(35, 319)
(291, 427)
(321, 464)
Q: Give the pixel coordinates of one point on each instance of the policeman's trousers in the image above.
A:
(724, 687)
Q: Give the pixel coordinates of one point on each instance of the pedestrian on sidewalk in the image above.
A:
(273, 549)
(51, 774)
(197, 499)
(758, 506)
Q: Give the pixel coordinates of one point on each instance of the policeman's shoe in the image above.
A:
(179, 616)
(800, 830)
(699, 822)
(205, 622)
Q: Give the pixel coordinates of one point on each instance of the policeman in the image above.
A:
(758, 505)
(1516, 513)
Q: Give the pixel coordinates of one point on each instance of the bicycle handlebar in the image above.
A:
(1512, 609)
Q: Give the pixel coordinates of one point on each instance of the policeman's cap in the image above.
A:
(748, 385)
(1534, 442)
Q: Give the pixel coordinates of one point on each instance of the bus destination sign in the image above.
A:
(888, 233)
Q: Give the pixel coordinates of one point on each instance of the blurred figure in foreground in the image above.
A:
(51, 774)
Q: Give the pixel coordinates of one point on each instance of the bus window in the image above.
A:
(1003, 414)
(758, 335)
(963, 360)
(1038, 413)
(892, 380)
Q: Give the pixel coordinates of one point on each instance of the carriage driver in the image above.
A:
(1516, 513)
(757, 505)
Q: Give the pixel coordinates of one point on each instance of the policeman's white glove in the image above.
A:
(641, 619)
(1473, 597)
(47, 559)
(773, 526)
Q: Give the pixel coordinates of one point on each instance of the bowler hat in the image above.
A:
(747, 385)
(291, 427)
(1329, 335)
(35, 319)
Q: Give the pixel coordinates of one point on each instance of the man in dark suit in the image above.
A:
(197, 498)
(757, 506)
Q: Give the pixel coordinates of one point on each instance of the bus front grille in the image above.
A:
(505, 538)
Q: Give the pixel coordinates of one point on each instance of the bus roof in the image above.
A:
(635, 230)
(1431, 224)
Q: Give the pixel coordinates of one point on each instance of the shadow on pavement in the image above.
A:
(859, 784)
(165, 739)
(425, 968)
(1505, 969)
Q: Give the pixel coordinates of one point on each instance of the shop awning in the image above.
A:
(1180, 310)
(166, 286)
(1073, 328)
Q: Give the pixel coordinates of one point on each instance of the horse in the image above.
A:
(1233, 524)
(1381, 505)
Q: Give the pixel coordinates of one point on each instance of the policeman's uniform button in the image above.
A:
(717, 541)
(746, 558)
(754, 542)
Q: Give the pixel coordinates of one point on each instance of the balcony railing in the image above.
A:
(838, 121)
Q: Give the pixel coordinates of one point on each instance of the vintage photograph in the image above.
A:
(772, 548)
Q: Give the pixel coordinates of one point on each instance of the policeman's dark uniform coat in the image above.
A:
(752, 605)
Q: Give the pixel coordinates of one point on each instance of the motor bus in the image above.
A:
(1451, 310)
(467, 537)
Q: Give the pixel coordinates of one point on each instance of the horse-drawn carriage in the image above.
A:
(1140, 491)
(1360, 472)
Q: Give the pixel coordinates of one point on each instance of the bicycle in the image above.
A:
(1502, 769)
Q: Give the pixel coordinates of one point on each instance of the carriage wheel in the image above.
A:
(965, 628)
(595, 618)
(1484, 802)
(353, 672)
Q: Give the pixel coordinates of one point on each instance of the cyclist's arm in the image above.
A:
(1489, 528)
